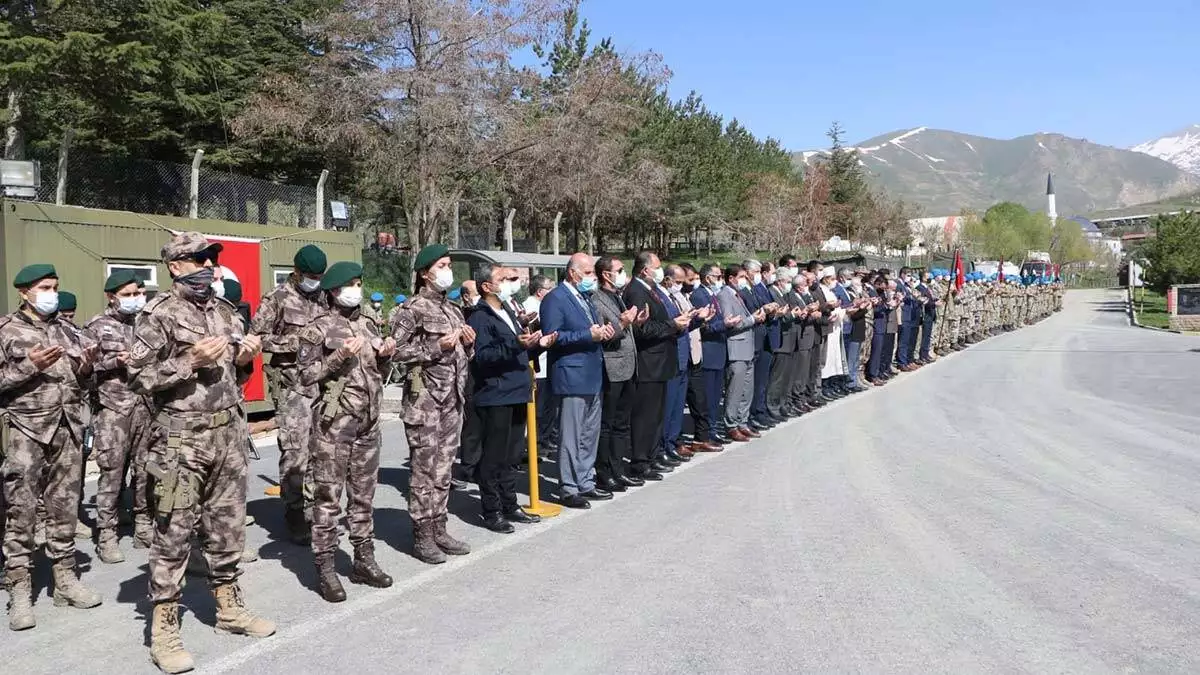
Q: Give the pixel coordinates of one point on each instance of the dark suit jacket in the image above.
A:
(576, 362)
(712, 334)
(858, 318)
(656, 361)
(930, 305)
(789, 328)
(683, 347)
(500, 368)
(753, 303)
(810, 326)
(774, 329)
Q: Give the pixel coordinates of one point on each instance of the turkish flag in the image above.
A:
(243, 257)
(1002, 270)
(959, 279)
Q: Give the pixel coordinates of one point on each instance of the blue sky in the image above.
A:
(1117, 73)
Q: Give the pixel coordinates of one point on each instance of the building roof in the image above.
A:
(507, 259)
(1086, 225)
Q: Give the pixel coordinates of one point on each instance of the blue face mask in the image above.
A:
(586, 285)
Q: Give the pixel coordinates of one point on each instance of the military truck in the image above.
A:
(86, 245)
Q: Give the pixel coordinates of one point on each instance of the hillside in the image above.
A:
(946, 171)
(1181, 148)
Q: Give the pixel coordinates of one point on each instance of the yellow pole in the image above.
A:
(536, 506)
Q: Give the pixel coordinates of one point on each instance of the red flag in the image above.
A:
(959, 277)
(1002, 270)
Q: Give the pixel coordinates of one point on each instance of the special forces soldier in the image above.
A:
(344, 354)
(190, 354)
(432, 338)
(283, 314)
(43, 365)
(122, 424)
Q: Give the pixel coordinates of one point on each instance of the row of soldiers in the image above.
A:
(988, 305)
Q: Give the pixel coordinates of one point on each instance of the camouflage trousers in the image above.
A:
(345, 456)
(864, 354)
(122, 439)
(49, 471)
(213, 463)
(432, 449)
(294, 413)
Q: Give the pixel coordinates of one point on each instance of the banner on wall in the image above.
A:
(243, 257)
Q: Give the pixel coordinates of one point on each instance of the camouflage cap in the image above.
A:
(185, 244)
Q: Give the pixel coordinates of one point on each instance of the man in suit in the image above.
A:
(739, 370)
(910, 319)
(807, 316)
(576, 366)
(857, 308)
(657, 364)
(753, 270)
(783, 362)
(678, 305)
(620, 360)
(697, 400)
(714, 351)
(765, 347)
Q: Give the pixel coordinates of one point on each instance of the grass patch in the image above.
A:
(1151, 308)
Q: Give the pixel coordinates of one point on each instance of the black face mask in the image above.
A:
(688, 288)
(198, 284)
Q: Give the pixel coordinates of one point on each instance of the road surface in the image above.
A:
(1029, 504)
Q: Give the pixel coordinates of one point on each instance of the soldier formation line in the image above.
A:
(161, 382)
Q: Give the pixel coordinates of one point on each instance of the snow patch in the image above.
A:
(879, 159)
(1042, 145)
(892, 141)
(1181, 149)
(933, 159)
(971, 147)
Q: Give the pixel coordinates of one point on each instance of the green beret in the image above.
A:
(340, 274)
(31, 274)
(66, 301)
(121, 278)
(429, 255)
(311, 260)
(233, 291)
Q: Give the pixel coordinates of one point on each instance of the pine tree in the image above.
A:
(848, 186)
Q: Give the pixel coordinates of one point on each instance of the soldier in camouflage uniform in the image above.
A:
(43, 365)
(122, 424)
(190, 355)
(344, 355)
(434, 340)
(282, 315)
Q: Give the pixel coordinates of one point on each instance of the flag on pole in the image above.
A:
(959, 277)
(1002, 270)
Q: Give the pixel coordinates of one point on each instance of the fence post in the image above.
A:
(454, 232)
(64, 148)
(194, 192)
(508, 237)
(320, 222)
(554, 238)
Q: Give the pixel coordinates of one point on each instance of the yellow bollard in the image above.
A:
(536, 506)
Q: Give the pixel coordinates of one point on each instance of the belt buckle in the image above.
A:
(220, 419)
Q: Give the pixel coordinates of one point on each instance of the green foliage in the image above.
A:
(386, 273)
(1172, 256)
(848, 186)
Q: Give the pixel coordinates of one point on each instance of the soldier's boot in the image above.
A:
(366, 570)
(233, 617)
(20, 600)
(83, 530)
(143, 531)
(444, 541)
(299, 531)
(166, 647)
(68, 590)
(425, 548)
(108, 548)
(327, 579)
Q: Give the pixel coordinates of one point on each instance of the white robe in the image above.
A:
(835, 351)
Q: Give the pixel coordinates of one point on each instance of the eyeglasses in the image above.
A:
(200, 257)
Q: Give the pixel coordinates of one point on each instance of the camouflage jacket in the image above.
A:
(160, 363)
(441, 379)
(113, 331)
(37, 401)
(283, 314)
(369, 312)
(361, 376)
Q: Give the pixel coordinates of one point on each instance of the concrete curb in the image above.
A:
(1133, 321)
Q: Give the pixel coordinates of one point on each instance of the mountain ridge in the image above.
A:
(1181, 148)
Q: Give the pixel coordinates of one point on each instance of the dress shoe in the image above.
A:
(684, 452)
(666, 458)
(755, 426)
(631, 481)
(660, 467)
(738, 437)
(781, 417)
(459, 485)
(650, 476)
(610, 484)
(858, 389)
(597, 495)
(574, 502)
(497, 523)
(750, 433)
(721, 439)
(519, 516)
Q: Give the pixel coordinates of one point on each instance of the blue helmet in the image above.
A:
(399, 299)
(377, 297)
(455, 294)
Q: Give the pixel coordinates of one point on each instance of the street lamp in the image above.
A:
(20, 179)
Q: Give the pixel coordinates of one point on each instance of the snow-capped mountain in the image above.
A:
(1181, 148)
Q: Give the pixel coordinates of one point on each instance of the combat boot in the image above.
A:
(444, 541)
(298, 528)
(143, 531)
(166, 647)
(425, 548)
(83, 530)
(328, 583)
(233, 617)
(68, 590)
(108, 548)
(20, 600)
(366, 570)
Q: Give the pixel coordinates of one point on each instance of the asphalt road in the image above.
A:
(1029, 505)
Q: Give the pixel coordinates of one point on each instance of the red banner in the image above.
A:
(243, 258)
(959, 277)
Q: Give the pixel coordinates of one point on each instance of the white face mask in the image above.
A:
(131, 305)
(507, 290)
(659, 275)
(45, 302)
(770, 278)
(218, 289)
(308, 284)
(757, 278)
(443, 278)
(350, 296)
(620, 280)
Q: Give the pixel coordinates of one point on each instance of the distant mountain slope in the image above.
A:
(946, 171)
(1181, 148)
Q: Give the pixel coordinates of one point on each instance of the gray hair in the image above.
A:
(800, 280)
(483, 275)
(845, 273)
(540, 282)
(752, 265)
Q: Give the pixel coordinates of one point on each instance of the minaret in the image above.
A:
(1050, 210)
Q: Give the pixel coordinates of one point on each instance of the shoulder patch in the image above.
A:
(157, 301)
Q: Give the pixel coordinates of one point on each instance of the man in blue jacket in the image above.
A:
(502, 386)
(713, 349)
(771, 338)
(576, 366)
